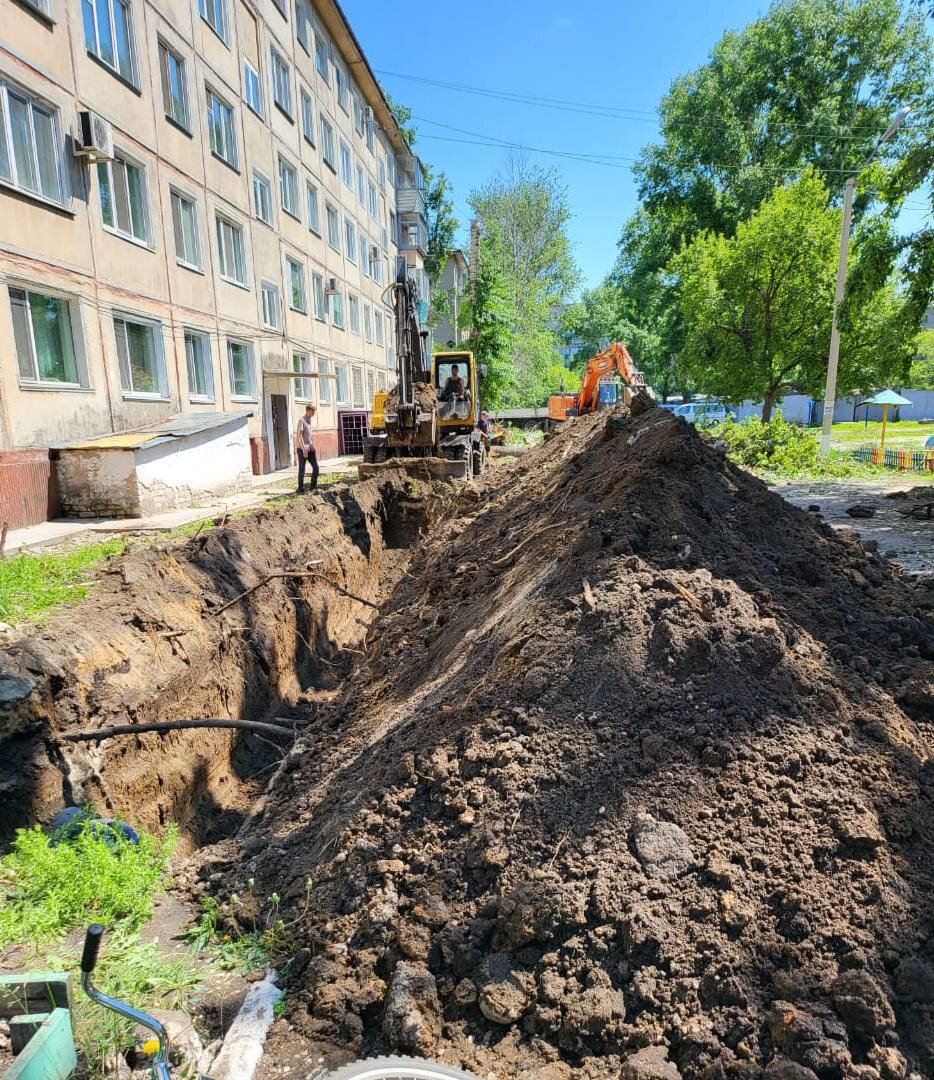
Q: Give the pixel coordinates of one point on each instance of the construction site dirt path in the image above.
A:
(633, 779)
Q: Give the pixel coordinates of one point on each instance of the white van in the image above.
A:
(702, 413)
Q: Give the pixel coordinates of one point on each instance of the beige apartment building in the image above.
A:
(197, 200)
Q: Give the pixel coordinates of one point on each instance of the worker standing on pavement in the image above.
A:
(305, 449)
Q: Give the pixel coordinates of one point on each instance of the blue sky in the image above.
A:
(618, 55)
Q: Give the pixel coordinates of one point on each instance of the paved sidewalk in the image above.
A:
(69, 530)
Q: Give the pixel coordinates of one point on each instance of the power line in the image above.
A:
(616, 112)
(596, 158)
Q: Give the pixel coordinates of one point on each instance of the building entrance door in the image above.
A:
(282, 444)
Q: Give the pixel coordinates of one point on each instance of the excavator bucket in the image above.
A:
(419, 468)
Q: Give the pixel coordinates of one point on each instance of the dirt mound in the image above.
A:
(425, 397)
(634, 779)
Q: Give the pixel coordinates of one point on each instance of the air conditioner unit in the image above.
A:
(374, 253)
(95, 139)
(331, 285)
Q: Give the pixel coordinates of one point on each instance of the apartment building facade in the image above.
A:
(236, 237)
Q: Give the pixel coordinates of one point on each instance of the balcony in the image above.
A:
(411, 200)
(413, 235)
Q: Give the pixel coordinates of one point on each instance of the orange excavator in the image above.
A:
(614, 359)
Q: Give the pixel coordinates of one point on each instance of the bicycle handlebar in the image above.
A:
(92, 946)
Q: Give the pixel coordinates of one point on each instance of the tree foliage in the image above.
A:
(489, 319)
(921, 373)
(757, 305)
(523, 214)
(810, 83)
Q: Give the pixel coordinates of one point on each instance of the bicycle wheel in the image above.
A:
(399, 1068)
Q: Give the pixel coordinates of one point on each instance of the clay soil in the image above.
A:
(633, 773)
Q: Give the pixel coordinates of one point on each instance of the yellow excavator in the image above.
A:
(431, 414)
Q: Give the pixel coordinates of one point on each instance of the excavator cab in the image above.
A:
(455, 378)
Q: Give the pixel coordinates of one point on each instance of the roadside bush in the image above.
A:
(781, 450)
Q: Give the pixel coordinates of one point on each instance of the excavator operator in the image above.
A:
(454, 386)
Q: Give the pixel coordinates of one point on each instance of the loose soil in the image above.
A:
(634, 774)
(630, 776)
(148, 646)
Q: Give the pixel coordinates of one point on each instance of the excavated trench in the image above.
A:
(151, 646)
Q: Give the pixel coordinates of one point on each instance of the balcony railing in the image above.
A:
(413, 236)
(411, 200)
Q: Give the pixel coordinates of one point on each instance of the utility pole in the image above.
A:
(833, 358)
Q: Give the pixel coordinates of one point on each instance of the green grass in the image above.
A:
(521, 436)
(48, 889)
(30, 584)
(903, 434)
(51, 892)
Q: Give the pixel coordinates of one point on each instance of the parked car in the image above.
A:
(701, 413)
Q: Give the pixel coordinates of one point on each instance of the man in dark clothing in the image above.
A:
(453, 386)
(305, 449)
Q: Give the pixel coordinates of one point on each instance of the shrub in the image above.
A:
(785, 450)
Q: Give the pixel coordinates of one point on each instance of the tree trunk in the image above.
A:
(768, 403)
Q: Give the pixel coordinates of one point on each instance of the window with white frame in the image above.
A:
(378, 326)
(281, 83)
(296, 275)
(322, 54)
(124, 199)
(361, 185)
(241, 371)
(281, 8)
(337, 309)
(381, 172)
(44, 7)
(367, 322)
(341, 88)
(350, 240)
(185, 227)
(198, 361)
(346, 165)
(334, 229)
(370, 385)
(221, 134)
(288, 189)
(272, 310)
(214, 13)
(376, 265)
(353, 310)
(30, 155)
(303, 387)
(314, 216)
(308, 117)
(262, 197)
(341, 389)
(327, 142)
(108, 35)
(357, 386)
(357, 112)
(324, 381)
(45, 339)
(252, 88)
(303, 25)
(364, 253)
(390, 354)
(381, 380)
(140, 357)
(321, 310)
(372, 199)
(174, 86)
(391, 167)
(369, 135)
(231, 253)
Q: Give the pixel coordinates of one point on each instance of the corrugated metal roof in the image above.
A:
(175, 427)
